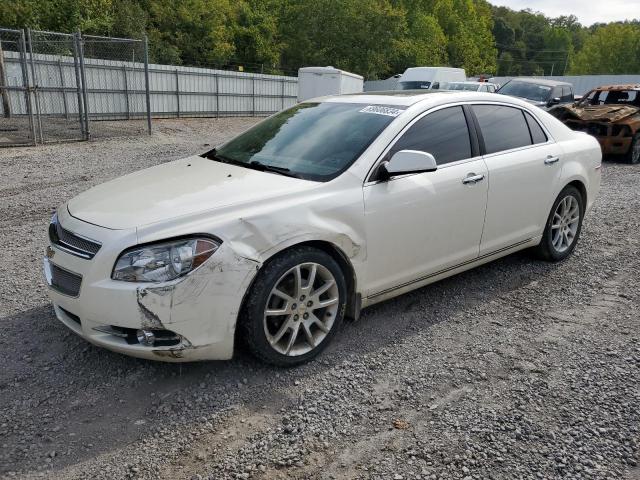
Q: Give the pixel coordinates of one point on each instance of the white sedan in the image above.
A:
(328, 207)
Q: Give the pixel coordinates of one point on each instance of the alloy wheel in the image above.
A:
(566, 220)
(301, 309)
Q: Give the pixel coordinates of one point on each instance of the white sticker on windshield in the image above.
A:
(378, 110)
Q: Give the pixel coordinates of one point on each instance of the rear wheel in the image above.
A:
(633, 155)
(295, 306)
(563, 226)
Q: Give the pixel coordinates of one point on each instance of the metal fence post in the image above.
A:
(4, 85)
(85, 89)
(253, 96)
(146, 81)
(64, 93)
(177, 93)
(282, 82)
(26, 84)
(76, 66)
(217, 96)
(126, 90)
(35, 85)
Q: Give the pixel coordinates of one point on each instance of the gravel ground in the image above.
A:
(518, 369)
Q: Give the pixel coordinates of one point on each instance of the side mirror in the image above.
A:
(554, 101)
(407, 161)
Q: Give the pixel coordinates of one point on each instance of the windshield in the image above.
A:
(611, 97)
(530, 91)
(413, 85)
(463, 86)
(313, 141)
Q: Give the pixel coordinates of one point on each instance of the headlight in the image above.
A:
(164, 261)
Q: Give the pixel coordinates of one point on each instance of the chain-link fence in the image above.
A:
(54, 87)
(117, 82)
(62, 87)
(16, 110)
(56, 77)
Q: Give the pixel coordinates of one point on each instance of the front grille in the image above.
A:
(71, 242)
(64, 281)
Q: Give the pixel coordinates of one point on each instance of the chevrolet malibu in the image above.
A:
(276, 236)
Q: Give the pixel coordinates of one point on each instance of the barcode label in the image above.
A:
(378, 110)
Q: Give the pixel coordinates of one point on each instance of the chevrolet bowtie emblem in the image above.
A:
(50, 252)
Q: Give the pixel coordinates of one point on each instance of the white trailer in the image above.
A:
(320, 81)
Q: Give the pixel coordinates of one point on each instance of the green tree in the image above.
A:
(194, 32)
(356, 35)
(256, 35)
(611, 49)
(424, 44)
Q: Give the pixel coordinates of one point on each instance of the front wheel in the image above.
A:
(295, 306)
(563, 226)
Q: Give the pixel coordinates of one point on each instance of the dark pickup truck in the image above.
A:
(542, 93)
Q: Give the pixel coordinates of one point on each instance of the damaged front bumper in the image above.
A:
(198, 311)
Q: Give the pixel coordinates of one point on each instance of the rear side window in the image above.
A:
(537, 134)
(444, 134)
(503, 128)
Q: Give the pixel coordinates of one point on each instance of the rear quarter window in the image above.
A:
(537, 134)
(503, 128)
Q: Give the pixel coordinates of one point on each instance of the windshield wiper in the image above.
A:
(212, 155)
(263, 167)
(254, 164)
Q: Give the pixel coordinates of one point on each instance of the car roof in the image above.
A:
(407, 98)
(619, 87)
(540, 81)
(469, 82)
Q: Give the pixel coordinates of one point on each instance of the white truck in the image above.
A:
(429, 78)
(321, 81)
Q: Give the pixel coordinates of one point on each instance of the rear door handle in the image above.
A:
(550, 160)
(472, 178)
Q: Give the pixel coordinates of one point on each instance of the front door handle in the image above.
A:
(550, 160)
(472, 179)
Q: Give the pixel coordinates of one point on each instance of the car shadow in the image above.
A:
(90, 401)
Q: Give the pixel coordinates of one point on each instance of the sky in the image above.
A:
(587, 11)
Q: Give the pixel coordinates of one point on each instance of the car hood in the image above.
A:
(183, 187)
(600, 113)
(536, 103)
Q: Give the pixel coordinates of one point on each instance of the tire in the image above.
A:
(314, 318)
(633, 155)
(551, 247)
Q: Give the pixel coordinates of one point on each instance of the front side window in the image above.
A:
(567, 94)
(503, 128)
(443, 133)
(556, 93)
(313, 141)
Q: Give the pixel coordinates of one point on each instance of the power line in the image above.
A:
(505, 47)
